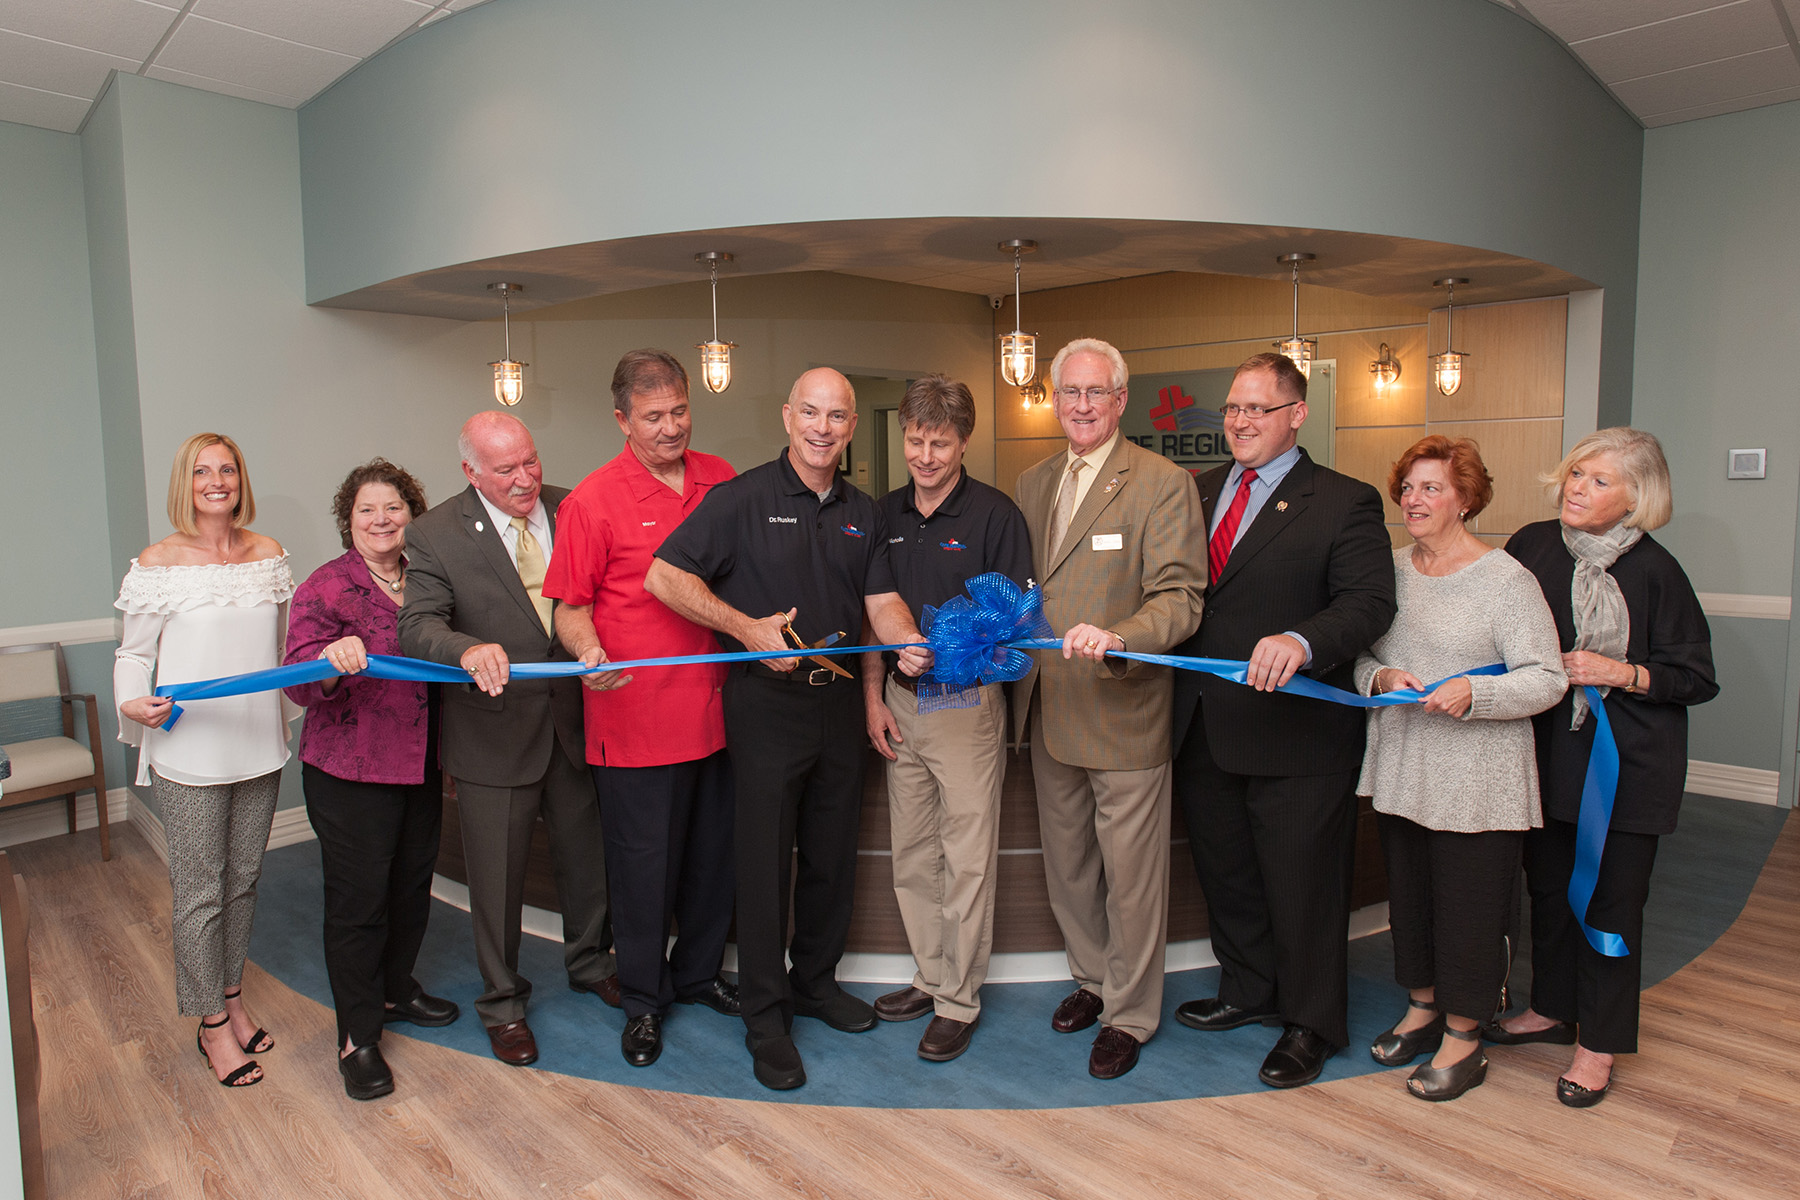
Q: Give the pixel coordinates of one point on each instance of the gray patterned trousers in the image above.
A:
(216, 836)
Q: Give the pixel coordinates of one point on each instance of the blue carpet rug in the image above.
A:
(1704, 874)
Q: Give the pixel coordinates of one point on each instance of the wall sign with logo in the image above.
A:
(1177, 416)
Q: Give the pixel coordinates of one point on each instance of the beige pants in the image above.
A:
(1106, 861)
(944, 803)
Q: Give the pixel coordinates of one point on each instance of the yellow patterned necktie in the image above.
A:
(531, 571)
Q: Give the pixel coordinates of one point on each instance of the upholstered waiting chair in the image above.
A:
(48, 767)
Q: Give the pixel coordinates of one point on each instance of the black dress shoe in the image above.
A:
(1213, 1014)
(850, 1014)
(641, 1043)
(777, 1063)
(1115, 1052)
(366, 1074)
(1298, 1057)
(424, 1010)
(1560, 1034)
(1079, 1009)
(607, 989)
(717, 995)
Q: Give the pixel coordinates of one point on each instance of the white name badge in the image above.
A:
(1109, 541)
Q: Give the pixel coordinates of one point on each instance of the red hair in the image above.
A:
(1468, 474)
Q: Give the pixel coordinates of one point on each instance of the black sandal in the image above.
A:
(1447, 1083)
(262, 1041)
(237, 1078)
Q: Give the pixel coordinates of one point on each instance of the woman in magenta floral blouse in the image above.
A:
(374, 792)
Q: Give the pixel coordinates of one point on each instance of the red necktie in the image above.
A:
(1219, 551)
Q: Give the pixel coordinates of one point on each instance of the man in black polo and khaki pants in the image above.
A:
(947, 753)
(793, 540)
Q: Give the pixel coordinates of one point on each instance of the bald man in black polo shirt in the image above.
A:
(946, 753)
(792, 539)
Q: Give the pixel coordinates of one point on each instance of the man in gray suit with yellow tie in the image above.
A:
(1118, 545)
(515, 747)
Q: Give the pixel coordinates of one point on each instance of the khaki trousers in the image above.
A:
(944, 805)
(1106, 861)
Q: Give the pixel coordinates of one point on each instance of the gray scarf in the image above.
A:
(1601, 623)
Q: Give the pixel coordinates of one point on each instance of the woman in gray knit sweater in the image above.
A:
(1454, 777)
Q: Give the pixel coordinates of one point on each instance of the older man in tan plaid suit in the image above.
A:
(1119, 547)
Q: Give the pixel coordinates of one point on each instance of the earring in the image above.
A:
(1465, 514)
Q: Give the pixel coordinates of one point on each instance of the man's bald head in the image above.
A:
(500, 458)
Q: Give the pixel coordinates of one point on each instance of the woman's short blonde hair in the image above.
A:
(181, 484)
(1640, 457)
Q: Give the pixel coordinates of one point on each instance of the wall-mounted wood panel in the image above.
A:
(1515, 365)
(1012, 457)
(1369, 454)
(1515, 453)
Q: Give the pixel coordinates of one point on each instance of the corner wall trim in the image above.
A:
(69, 633)
(1733, 604)
(1733, 783)
(289, 827)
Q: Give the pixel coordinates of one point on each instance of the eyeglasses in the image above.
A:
(1072, 395)
(1255, 412)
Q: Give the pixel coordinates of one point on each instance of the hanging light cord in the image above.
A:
(1450, 318)
(715, 298)
(506, 318)
(1296, 299)
(1018, 318)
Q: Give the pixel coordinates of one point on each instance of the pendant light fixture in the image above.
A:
(509, 375)
(1384, 371)
(1447, 368)
(1301, 350)
(715, 356)
(1018, 349)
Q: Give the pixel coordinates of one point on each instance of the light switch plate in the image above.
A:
(1746, 464)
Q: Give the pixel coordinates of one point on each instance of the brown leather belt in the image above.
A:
(908, 682)
(815, 676)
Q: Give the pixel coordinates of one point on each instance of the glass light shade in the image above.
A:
(1018, 358)
(1033, 395)
(715, 365)
(509, 381)
(1447, 370)
(1301, 350)
(1383, 373)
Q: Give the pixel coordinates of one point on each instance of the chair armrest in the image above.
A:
(70, 697)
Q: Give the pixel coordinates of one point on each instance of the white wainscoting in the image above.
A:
(1733, 783)
(1734, 604)
(69, 633)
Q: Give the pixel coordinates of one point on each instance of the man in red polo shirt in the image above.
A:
(657, 746)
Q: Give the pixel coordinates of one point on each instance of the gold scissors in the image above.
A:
(822, 643)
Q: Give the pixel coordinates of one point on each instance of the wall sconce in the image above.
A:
(1384, 371)
(1018, 349)
(1034, 395)
(715, 356)
(1447, 368)
(509, 376)
(1301, 350)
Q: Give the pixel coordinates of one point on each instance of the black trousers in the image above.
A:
(379, 845)
(1570, 980)
(797, 756)
(1450, 899)
(1274, 854)
(668, 856)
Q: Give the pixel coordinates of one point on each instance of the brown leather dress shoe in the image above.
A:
(907, 1004)
(1079, 1009)
(945, 1038)
(513, 1043)
(607, 989)
(1115, 1052)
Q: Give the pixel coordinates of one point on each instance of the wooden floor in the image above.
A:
(1711, 1107)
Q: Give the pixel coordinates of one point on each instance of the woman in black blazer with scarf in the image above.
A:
(1631, 625)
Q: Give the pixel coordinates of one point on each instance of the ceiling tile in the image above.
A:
(251, 60)
(1576, 20)
(1682, 42)
(358, 27)
(53, 67)
(127, 28)
(1710, 83)
(46, 110)
(226, 88)
(1678, 115)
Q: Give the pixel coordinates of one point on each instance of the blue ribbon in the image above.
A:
(1598, 791)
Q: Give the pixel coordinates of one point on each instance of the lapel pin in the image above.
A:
(1281, 506)
(479, 527)
(1113, 483)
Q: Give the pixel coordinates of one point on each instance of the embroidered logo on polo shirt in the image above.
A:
(952, 544)
(647, 524)
(853, 531)
(895, 541)
(784, 520)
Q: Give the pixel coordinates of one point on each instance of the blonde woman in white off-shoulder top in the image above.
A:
(209, 600)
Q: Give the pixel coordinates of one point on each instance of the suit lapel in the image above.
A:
(1106, 487)
(1210, 485)
(479, 525)
(1284, 506)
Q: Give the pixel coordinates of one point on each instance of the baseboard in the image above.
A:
(50, 818)
(1733, 783)
(289, 827)
(1733, 604)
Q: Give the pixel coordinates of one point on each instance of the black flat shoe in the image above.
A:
(641, 1043)
(430, 1011)
(1576, 1096)
(718, 995)
(366, 1074)
(843, 1012)
(1394, 1049)
(1560, 1034)
(776, 1062)
(1211, 1014)
(1447, 1083)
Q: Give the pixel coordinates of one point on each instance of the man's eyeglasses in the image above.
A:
(1072, 395)
(1255, 412)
